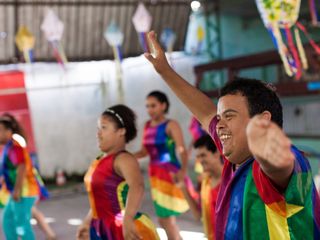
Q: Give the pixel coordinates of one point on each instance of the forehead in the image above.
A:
(2, 126)
(152, 99)
(202, 149)
(105, 120)
(235, 102)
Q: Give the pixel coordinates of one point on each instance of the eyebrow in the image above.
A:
(228, 111)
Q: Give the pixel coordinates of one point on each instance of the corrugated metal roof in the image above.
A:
(85, 22)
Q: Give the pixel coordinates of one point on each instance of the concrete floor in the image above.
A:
(67, 207)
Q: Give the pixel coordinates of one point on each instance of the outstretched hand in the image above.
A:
(156, 55)
(271, 147)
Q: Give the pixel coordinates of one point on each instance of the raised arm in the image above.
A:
(127, 166)
(198, 103)
(272, 149)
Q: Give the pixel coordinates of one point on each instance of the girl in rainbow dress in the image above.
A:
(21, 184)
(162, 138)
(115, 184)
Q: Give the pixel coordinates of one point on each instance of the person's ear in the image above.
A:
(266, 115)
(123, 131)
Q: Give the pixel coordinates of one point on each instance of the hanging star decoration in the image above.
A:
(53, 29)
(25, 42)
(280, 18)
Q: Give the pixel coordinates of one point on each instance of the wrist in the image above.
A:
(167, 72)
(128, 217)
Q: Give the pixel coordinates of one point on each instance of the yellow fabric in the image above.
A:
(166, 188)
(277, 222)
(87, 181)
(146, 228)
(169, 202)
(206, 209)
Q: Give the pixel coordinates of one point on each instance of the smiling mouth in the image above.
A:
(224, 137)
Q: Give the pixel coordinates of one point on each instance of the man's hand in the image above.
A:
(271, 148)
(157, 56)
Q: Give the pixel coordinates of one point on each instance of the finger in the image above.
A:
(153, 41)
(149, 57)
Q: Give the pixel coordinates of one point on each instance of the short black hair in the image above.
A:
(260, 96)
(205, 141)
(127, 119)
(161, 97)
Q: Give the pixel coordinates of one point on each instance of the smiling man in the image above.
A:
(266, 190)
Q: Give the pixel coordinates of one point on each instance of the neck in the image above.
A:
(158, 120)
(116, 149)
(237, 165)
(216, 174)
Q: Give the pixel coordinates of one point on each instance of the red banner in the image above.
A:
(13, 100)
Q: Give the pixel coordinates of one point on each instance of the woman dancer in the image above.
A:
(115, 184)
(162, 137)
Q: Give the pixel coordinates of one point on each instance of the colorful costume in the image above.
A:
(167, 198)
(249, 206)
(196, 132)
(17, 215)
(107, 195)
(209, 196)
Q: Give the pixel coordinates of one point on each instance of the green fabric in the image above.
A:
(253, 209)
(164, 212)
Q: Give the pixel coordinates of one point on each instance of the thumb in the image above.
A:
(149, 57)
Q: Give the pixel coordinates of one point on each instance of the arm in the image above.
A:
(141, 153)
(272, 149)
(199, 104)
(192, 203)
(21, 171)
(127, 166)
(17, 155)
(83, 230)
(175, 132)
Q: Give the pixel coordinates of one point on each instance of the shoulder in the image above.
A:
(124, 158)
(16, 147)
(125, 162)
(146, 124)
(172, 124)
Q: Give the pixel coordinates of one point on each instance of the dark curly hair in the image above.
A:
(260, 96)
(123, 117)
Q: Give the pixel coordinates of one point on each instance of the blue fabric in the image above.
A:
(234, 225)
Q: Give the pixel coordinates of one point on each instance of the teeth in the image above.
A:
(225, 137)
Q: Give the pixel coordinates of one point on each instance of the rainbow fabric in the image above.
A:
(107, 196)
(249, 206)
(168, 199)
(13, 155)
(196, 132)
(208, 203)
